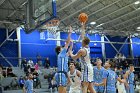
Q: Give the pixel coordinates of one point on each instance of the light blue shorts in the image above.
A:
(61, 79)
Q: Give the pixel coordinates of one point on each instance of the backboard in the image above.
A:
(39, 12)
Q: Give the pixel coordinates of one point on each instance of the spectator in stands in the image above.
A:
(26, 68)
(129, 60)
(28, 88)
(35, 73)
(36, 67)
(36, 81)
(10, 72)
(23, 63)
(30, 63)
(52, 83)
(47, 63)
(39, 61)
(21, 82)
(1, 74)
(136, 62)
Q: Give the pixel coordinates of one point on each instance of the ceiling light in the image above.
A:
(137, 2)
(93, 23)
(99, 25)
(138, 28)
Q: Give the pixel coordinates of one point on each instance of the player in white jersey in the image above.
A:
(74, 74)
(87, 68)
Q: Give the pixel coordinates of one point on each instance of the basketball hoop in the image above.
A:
(52, 26)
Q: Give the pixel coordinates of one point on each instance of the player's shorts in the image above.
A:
(110, 91)
(74, 91)
(99, 89)
(61, 79)
(130, 89)
(87, 73)
(121, 87)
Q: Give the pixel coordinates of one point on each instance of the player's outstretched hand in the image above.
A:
(70, 29)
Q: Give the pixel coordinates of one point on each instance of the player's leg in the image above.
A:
(61, 82)
(90, 87)
(85, 87)
(90, 79)
(62, 89)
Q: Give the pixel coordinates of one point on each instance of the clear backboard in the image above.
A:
(39, 12)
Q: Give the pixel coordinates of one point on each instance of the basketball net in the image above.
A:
(52, 26)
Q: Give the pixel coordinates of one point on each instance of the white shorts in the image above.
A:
(87, 73)
(121, 87)
(74, 91)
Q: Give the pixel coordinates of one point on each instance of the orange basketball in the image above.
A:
(83, 17)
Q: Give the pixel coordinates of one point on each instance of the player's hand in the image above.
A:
(83, 23)
(70, 29)
(96, 84)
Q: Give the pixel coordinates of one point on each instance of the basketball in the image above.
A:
(83, 17)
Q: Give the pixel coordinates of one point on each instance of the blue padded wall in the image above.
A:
(136, 47)
(9, 49)
(32, 45)
(110, 51)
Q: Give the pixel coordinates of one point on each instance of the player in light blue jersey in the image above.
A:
(98, 73)
(129, 76)
(28, 87)
(61, 76)
(109, 79)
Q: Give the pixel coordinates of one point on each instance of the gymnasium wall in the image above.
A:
(136, 47)
(35, 43)
(95, 48)
(9, 49)
(111, 52)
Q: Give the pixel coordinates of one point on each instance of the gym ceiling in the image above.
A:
(112, 17)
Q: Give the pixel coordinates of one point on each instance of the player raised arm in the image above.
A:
(69, 38)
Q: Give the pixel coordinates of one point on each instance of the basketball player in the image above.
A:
(120, 86)
(28, 88)
(109, 79)
(98, 73)
(129, 76)
(74, 75)
(61, 76)
(87, 68)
